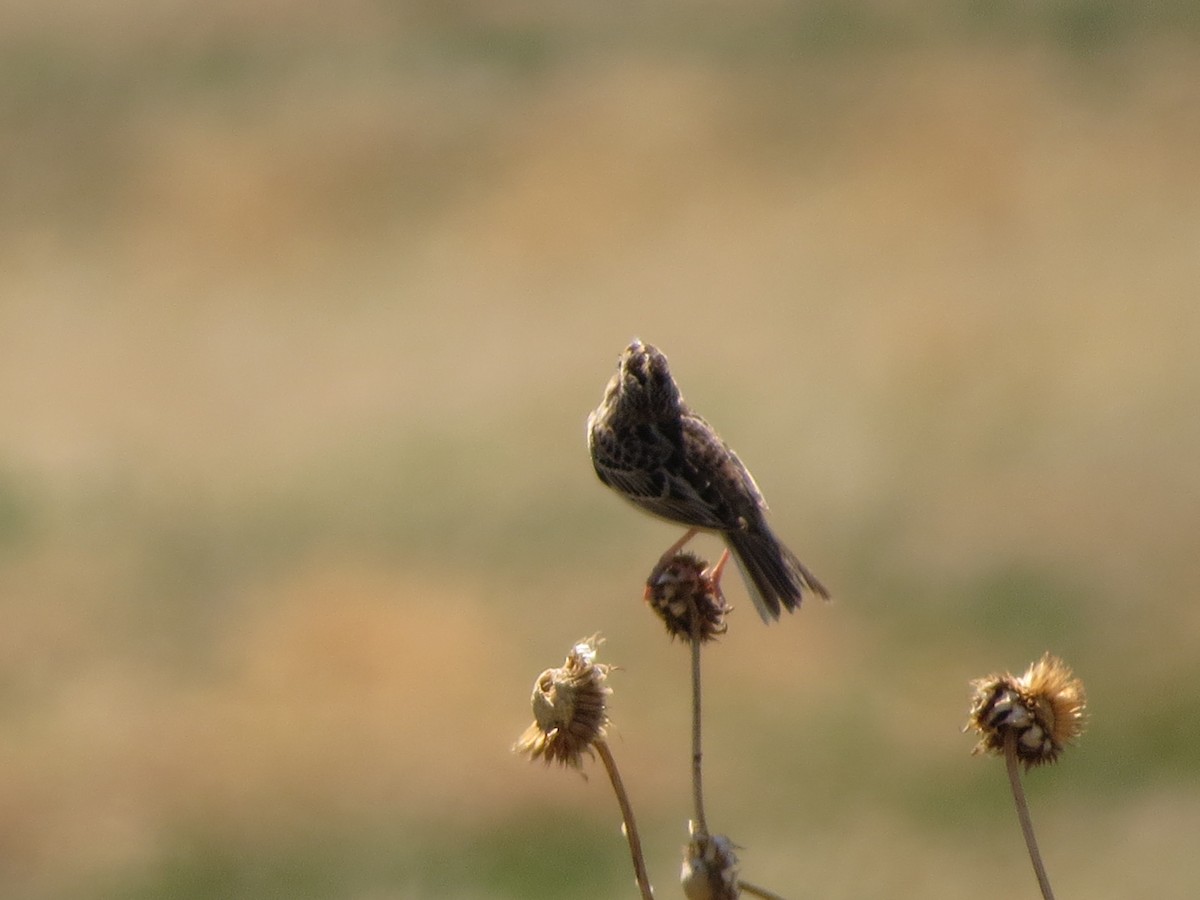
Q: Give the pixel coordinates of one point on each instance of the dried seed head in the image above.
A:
(1042, 710)
(570, 708)
(686, 594)
(709, 867)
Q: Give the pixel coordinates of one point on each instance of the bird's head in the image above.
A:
(643, 386)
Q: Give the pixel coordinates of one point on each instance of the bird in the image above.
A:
(648, 445)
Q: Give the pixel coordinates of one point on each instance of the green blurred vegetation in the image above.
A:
(302, 309)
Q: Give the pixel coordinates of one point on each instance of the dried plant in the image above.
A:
(1028, 719)
(570, 709)
(1042, 711)
(570, 716)
(709, 867)
(685, 593)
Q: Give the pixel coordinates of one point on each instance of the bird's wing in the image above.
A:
(655, 474)
(721, 480)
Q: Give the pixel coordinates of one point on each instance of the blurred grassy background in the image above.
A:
(302, 308)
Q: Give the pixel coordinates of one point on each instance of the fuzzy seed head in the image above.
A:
(1042, 710)
(709, 867)
(570, 708)
(685, 592)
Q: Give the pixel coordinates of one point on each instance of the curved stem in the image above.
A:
(631, 832)
(1012, 764)
(756, 891)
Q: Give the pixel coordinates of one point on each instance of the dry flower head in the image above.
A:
(685, 592)
(570, 708)
(1042, 711)
(709, 867)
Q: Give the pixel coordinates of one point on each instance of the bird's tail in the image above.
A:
(774, 576)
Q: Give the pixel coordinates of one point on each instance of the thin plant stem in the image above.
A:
(701, 829)
(701, 822)
(631, 832)
(1012, 764)
(756, 891)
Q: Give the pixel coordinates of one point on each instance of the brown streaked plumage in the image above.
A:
(649, 447)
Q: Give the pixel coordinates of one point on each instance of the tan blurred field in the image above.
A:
(302, 309)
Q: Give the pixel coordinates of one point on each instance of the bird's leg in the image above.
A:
(716, 571)
(677, 546)
(664, 561)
